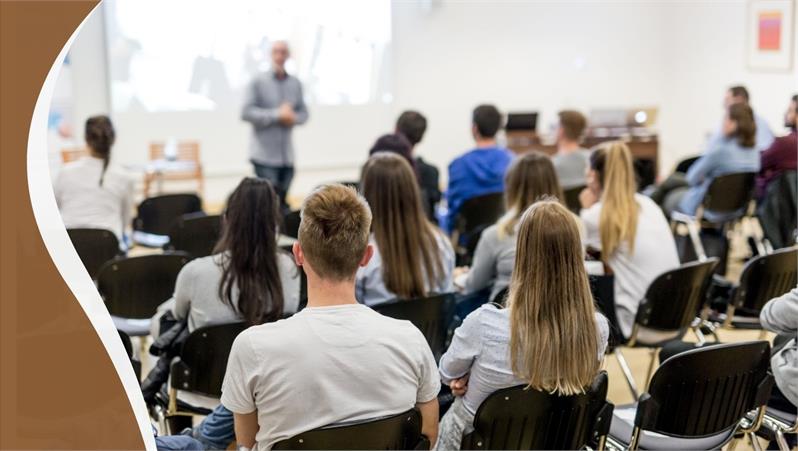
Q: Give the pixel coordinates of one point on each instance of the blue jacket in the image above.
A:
(480, 171)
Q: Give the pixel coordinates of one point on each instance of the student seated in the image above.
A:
(571, 159)
(629, 229)
(248, 277)
(412, 257)
(89, 193)
(738, 95)
(530, 178)
(734, 153)
(781, 156)
(479, 171)
(780, 315)
(531, 341)
(412, 125)
(336, 361)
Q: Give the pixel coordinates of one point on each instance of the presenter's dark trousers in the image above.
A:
(280, 178)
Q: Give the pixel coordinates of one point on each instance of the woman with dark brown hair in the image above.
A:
(412, 257)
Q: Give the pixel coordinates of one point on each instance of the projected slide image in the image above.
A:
(182, 55)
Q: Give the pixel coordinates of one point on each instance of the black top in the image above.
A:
(429, 182)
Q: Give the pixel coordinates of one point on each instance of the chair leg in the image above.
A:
(781, 440)
(651, 364)
(754, 442)
(695, 238)
(627, 373)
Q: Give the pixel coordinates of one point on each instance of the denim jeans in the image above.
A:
(216, 431)
(279, 176)
(178, 443)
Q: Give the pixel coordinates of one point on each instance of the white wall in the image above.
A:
(448, 56)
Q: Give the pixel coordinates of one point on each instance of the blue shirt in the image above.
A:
(764, 135)
(478, 172)
(727, 157)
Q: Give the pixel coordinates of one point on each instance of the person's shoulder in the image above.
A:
(491, 232)
(273, 335)
(645, 202)
(200, 267)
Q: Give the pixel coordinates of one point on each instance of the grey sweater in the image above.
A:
(493, 262)
(780, 315)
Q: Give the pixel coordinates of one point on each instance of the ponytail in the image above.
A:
(619, 209)
(100, 136)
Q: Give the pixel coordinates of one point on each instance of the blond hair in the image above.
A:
(554, 342)
(405, 238)
(619, 208)
(334, 231)
(530, 178)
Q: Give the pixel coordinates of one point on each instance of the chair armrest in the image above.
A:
(682, 217)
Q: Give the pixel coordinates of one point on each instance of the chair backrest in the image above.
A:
(766, 277)
(156, 215)
(401, 431)
(94, 247)
(429, 314)
(134, 287)
(777, 212)
(195, 233)
(291, 224)
(729, 193)
(572, 198)
(203, 359)
(521, 418)
(684, 165)
(479, 211)
(603, 290)
(186, 151)
(675, 298)
(706, 391)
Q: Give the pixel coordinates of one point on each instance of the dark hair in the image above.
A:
(743, 116)
(249, 237)
(795, 101)
(100, 136)
(395, 143)
(487, 119)
(573, 124)
(412, 125)
(739, 91)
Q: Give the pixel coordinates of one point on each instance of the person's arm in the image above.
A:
(770, 158)
(780, 315)
(701, 168)
(182, 295)
(127, 204)
(483, 267)
(466, 345)
(429, 420)
(246, 427)
(300, 109)
(253, 112)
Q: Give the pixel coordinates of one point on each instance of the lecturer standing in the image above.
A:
(273, 104)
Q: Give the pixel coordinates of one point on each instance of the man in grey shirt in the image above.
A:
(571, 159)
(273, 104)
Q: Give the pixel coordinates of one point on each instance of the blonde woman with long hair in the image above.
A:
(549, 336)
(629, 229)
(530, 178)
(412, 257)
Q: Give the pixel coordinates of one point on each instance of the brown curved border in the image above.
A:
(58, 387)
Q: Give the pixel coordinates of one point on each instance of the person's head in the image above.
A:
(736, 94)
(739, 123)
(405, 238)
(611, 173)
(280, 54)
(333, 234)
(249, 245)
(529, 178)
(791, 116)
(553, 334)
(486, 121)
(572, 126)
(394, 143)
(412, 125)
(100, 136)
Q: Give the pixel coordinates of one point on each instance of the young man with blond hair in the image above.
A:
(336, 361)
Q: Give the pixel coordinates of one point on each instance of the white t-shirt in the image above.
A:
(327, 365)
(654, 254)
(84, 203)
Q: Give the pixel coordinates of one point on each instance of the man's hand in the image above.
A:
(286, 115)
(459, 386)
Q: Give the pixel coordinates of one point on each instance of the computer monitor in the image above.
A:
(522, 122)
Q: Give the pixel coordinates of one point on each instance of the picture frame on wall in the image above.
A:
(771, 35)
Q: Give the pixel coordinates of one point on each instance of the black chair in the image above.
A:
(698, 399)
(94, 247)
(728, 196)
(522, 418)
(195, 233)
(431, 315)
(129, 350)
(777, 212)
(776, 424)
(156, 216)
(672, 303)
(290, 226)
(200, 367)
(134, 287)
(401, 431)
(684, 165)
(474, 216)
(572, 198)
(763, 278)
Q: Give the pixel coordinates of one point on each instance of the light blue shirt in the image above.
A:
(727, 157)
(370, 289)
(764, 135)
